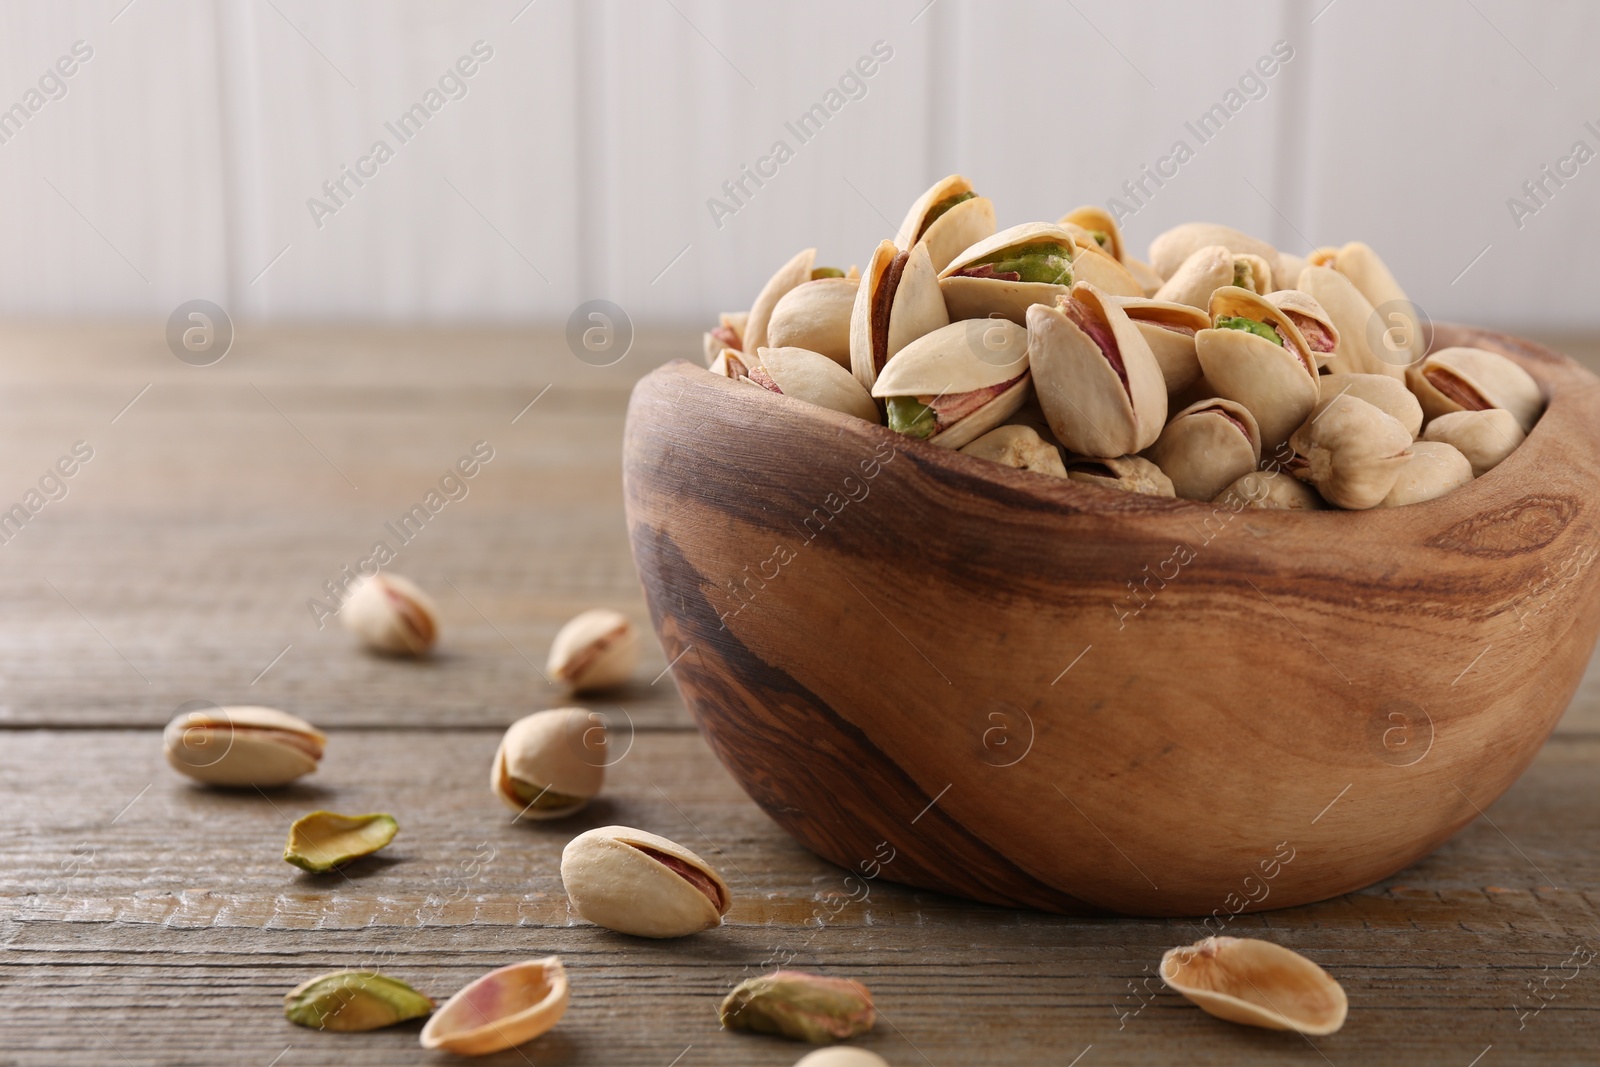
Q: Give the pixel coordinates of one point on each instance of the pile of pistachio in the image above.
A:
(1203, 373)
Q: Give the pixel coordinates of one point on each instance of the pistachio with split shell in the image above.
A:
(1020, 447)
(596, 649)
(1208, 446)
(800, 1006)
(1485, 437)
(1098, 382)
(1399, 335)
(1098, 267)
(1169, 250)
(957, 383)
(1209, 269)
(815, 315)
(323, 840)
(731, 363)
(240, 746)
(1130, 474)
(1256, 356)
(1474, 379)
(814, 378)
(1169, 329)
(1351, 315)
(1432, 469)
(1003, 274)
(1387, 394)
(391, 615)
(1099, 225)
(1351, 451)
(1145, 275)
(353, 1002)
(947, 218)
(1272, 490)
(639, 883)
(1311, 319)
(898, 301)
(505, 1007)
(791, 274)
(551, 763)
(1257, 983)
(728, 333)
(841, 1056)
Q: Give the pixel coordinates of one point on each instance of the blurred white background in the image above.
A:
(578, 159)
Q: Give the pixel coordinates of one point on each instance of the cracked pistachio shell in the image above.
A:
(976, 356)
(1352, 452)
(1208, 446)
(595, 650)
(1485, 437)
(791, 274)
(982, 298)
(1170, 249)
(551, 763)
(815, 315)
(1401, 331)
(242, 746)
(1093, 410)
(1387, 394)
(1272, 490)
(1432, 469)
(353, 1002)
(799, 1006)
(898, 301)
(960, 226)
(636, 882)
(819, 380)
(1100, 268)
(728, 334)
(1257, 983)
(391, 615)
(731, 363)
(1203, 273)
(323, 840)
(1169, 329)
(1354, 317)
(1278, 383)
(1093, 219)
(1130, 474)
(504, 1008)
(841, 1056)
(1020, 447)
(1313, 321)
(1473, 379)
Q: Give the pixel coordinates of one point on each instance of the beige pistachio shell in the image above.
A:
(551, 763)
(1278, 383)
(391, 615)
(815, 315)
(1353, 317)
(1092, 219)
(956, 358)
(729, 323)
(597, 649)
(914, 307)
(1485, 437)
(1257, 983)
(1101, 270)
(731, 363)
(1387, 394)
(816, 379)
(841, 1056)
(1020, 447)
(1252, 272)
(1292, 265)
(1130, 474)
(323, 840)
(1432, 469)
(504, 1008)
(1207, 447)
(1203, 273)
(1401, 333)
(1272, 490)
(795, 272)
(1144, 274)
(1170, 249)
(639, 883)
(982, 298)
(1169, 329)
(1472, 379)
(242, 746)
(961, 226)
(1351, 451)
(1310, 317)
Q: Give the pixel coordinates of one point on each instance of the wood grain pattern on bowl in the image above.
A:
(1035, 692)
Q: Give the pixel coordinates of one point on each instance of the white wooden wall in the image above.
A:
(578, 165)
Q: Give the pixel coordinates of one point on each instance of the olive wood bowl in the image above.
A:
(1036, 692)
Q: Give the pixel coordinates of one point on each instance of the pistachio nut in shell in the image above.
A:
(242, 746)
(947, 218)
(596, 649)
(1311, 319)
(1398, 332)
(1144, 274)
(731, 363)
(1387, 394)
(1098, 382)
(815, 315)
(1351, 316)
(391, 615)
(1005, 273)
(504, 1008)
(1130, 474)
(1432, 469)
(1170, 249)
(1350, 451)
(799, 1006)
(1101, 269)
(1018, 446)
(791, 274)
(1169, 329)
(1101, 227)
(1485, 437)
(1256, 356)
(1272, 490)
(353, 1002)
(636, 882)
(551, 763)
(841, 1056)
(1207, 447)
(816, 379)
(322, 840)
(898, 301)
(728, 333)
(1257, 983)
(1473, 379)
(952, 386)
(1203, 273)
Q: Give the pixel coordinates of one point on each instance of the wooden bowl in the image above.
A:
(1034, 692)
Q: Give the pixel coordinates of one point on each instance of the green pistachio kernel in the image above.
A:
(912, 417)
(1260, 329)
(826, 272)
(941, 207)
(353, 1001)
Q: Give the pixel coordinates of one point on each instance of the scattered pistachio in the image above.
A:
(390, 614)
(351, 1001)
(322, 840)
(595, 650)
(242, 746)
(550, 763)
(503, 1008)
(635, 882)
(801, 1006)
(1257, 983)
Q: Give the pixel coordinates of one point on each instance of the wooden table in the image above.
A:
(145, 920)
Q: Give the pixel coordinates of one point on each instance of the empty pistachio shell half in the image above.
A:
(1131, 474)
(636, 882)
(1208, 446)
(242, 746)
(1020, 447)
(550, 764)
(353, 1001)
(1484, 437)
(1258, 983)
(1473, 379)
(322, 840)
(1255, 355)
(814, 378)
(1272, 491)
(1432, 469)
(1350, 451)
(595, 650)
(946, 219)
(1170, 249)
(816, 316)
(504, 1008)
(801, 1006)
(390, 614)
(791, 274)
(898, 301)
(1169, 329)
(1388, 395)
(957, 383)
